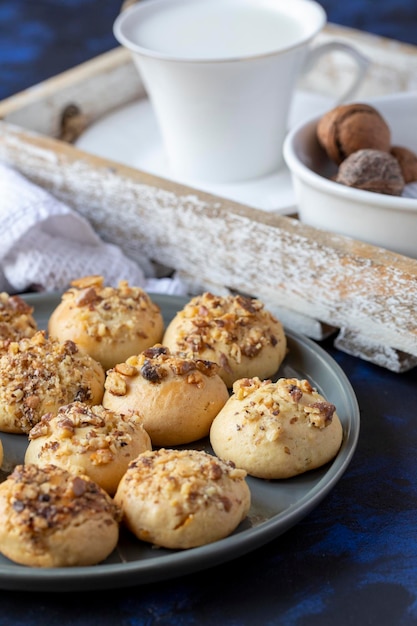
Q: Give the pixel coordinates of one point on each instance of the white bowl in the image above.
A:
(386, 221)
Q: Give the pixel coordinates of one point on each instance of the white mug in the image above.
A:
(220, 75)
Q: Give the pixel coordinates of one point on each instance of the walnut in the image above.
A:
(320, 414)
(372, 170)
(352, 127)
(408, 162)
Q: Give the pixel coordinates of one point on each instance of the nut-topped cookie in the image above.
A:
(52, 518)
(16, 319)
(236, 332)
(109, 323)
(182, 498)
(176, 395)
(88, 440)
(276, 430)
(40, 374)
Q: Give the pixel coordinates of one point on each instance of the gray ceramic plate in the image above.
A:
(276, 505)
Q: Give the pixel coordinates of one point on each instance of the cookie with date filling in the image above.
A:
(108, 323)
(182, 499)
(88, 440)
(52, 518)
(276, 430)
(236, 332)
(40, 374)
(177, 396)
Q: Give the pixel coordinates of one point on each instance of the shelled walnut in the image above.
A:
(358, 139)
(372, 170)
(351, 127)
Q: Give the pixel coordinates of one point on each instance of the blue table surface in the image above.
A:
(353, 560)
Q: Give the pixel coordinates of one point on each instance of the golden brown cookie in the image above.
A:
(176, 395)
(88, 440)
(276, 430)
(109, 323)
(182, 498)
(16, 319)
(52, 518)
(236, 332)
(38, 375)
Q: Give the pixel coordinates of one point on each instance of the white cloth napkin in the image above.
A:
(44, 244)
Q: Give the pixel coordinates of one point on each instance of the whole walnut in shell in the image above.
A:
(372, 170)
(408, 162)
(352, 127)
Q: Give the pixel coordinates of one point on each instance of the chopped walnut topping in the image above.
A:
(87, 297)
(155, 365)
(264, 402)
(115, 382)
(238, 321)
(243, 387)
(292, 390)
(81, 429)
(320, 413)
(88, 281)
(38, 373)
(98, 305)
(196, 475)
(44, 499)
(126, 369)
(16, 319)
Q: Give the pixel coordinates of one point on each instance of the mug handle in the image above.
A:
(362, 64)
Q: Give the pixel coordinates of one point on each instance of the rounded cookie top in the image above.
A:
(52, 518)
(177, 396)
(182, 498)
(38, 375)
(88, 440)
(109, 323)
(276, 430)
(236, 332)
(16, 319)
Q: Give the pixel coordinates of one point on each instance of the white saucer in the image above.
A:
(131, 136)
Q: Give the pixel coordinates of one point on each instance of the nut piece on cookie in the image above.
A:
(351, 127)
(236, 332)
(176, 395)
(52, 518)
(182, 499)
(108, 323)
(16, 319)
(40, 374)
(88, 440)
(276, 430)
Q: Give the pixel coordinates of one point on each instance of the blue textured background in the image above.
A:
(41, 38)
(353, 560)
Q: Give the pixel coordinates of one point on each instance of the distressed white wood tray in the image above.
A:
(318, 283)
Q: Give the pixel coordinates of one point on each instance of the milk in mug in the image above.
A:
(217, 29)
(220, 75)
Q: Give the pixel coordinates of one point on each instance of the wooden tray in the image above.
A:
(318, 283)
